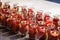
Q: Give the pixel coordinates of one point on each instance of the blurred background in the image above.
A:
(57, 1)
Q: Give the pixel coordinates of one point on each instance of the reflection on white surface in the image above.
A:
(37, 5)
